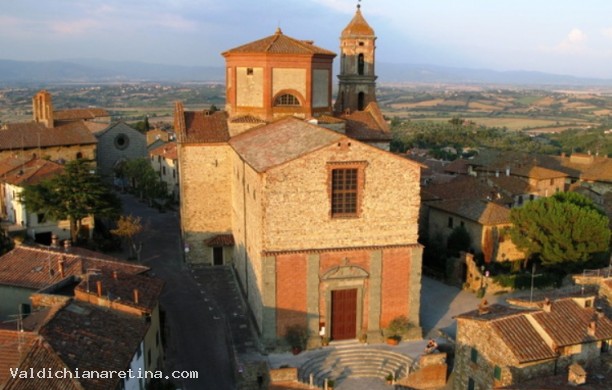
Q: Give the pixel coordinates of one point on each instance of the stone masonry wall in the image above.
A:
(297, 202)
(205, 197)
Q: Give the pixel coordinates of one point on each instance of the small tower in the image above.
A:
(357, 79)
(42, 108)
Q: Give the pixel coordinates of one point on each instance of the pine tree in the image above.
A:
(561, 230)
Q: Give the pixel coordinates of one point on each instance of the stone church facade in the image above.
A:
(320, 227)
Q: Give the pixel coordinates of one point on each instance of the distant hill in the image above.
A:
(90, 70)
(100, 71)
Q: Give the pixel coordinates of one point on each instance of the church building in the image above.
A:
(301, 196)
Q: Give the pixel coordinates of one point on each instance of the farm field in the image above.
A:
(534, 111)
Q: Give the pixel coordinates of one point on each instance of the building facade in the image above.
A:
(320, 228)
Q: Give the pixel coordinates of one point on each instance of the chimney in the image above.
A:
(483, 307)
(60, 266)
(136, 296)
(67, 245)
(547, 305)
(599, 312)
(592, 328)
(54, 241)
(99, 286)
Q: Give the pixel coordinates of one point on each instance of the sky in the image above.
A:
(572, 37)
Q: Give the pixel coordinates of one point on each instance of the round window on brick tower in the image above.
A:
(121, 141)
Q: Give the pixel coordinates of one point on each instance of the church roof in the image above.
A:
(279, 44)
(34, 135)
(280, 142)
(368, 125)
(357, 26)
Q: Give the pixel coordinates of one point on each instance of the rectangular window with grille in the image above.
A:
(344, 192)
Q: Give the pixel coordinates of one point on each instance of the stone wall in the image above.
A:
(111, 151)
(249, 87)
(205, 197)
(67, 153)
(389, 206)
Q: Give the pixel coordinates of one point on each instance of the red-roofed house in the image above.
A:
(13, 179)
(497, 346)
(164, 160)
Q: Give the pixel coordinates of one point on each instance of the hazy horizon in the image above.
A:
(562, 37)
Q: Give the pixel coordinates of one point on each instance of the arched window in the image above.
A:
(360, 101)
(286, 100)
(360, 64)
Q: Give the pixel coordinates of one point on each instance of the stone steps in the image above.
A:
(353, 361)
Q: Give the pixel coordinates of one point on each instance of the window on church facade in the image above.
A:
(346, 182)
(344, 192)
(286, 100)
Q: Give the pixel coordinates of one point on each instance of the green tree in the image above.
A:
(458, 240)
(565, 229)
(76, 193)
(144, 179)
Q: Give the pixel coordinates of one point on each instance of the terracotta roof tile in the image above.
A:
(11, 352)
(282, 141)
(246, 119)
(10, 163)
(79, 114)
(367, 125)
(511, 184)
(458, 166)
(32, 172)
(39, 267)
(461, 187)
(202, 126)
(567, 323)
(89, 337)
(167, 150)
(33, 135)
(40, 356)
(522, 338)
(220, 240)
(483, 212)
(279, 44)
(357, 27)
(118, 286)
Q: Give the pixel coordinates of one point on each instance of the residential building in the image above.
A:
(15, 174)
(486, 222)
(72, 309)
(164, 160)
(499, 346)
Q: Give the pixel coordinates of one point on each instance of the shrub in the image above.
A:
(296, 336)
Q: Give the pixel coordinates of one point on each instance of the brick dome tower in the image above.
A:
(357, 79)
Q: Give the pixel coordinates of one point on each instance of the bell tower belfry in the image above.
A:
(357, 79)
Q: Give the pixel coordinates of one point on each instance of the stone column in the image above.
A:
(269, 301)
(375, 297)
(312, 300)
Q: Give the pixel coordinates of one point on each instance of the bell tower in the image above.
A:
(357, 79)
(42, 108)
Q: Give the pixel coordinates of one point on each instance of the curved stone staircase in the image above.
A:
(338, 363)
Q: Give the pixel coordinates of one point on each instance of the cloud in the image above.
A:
(573, 43)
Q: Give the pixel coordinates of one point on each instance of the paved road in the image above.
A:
(441, 302)
(196, 340)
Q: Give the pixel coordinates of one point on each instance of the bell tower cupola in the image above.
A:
(357, 79)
